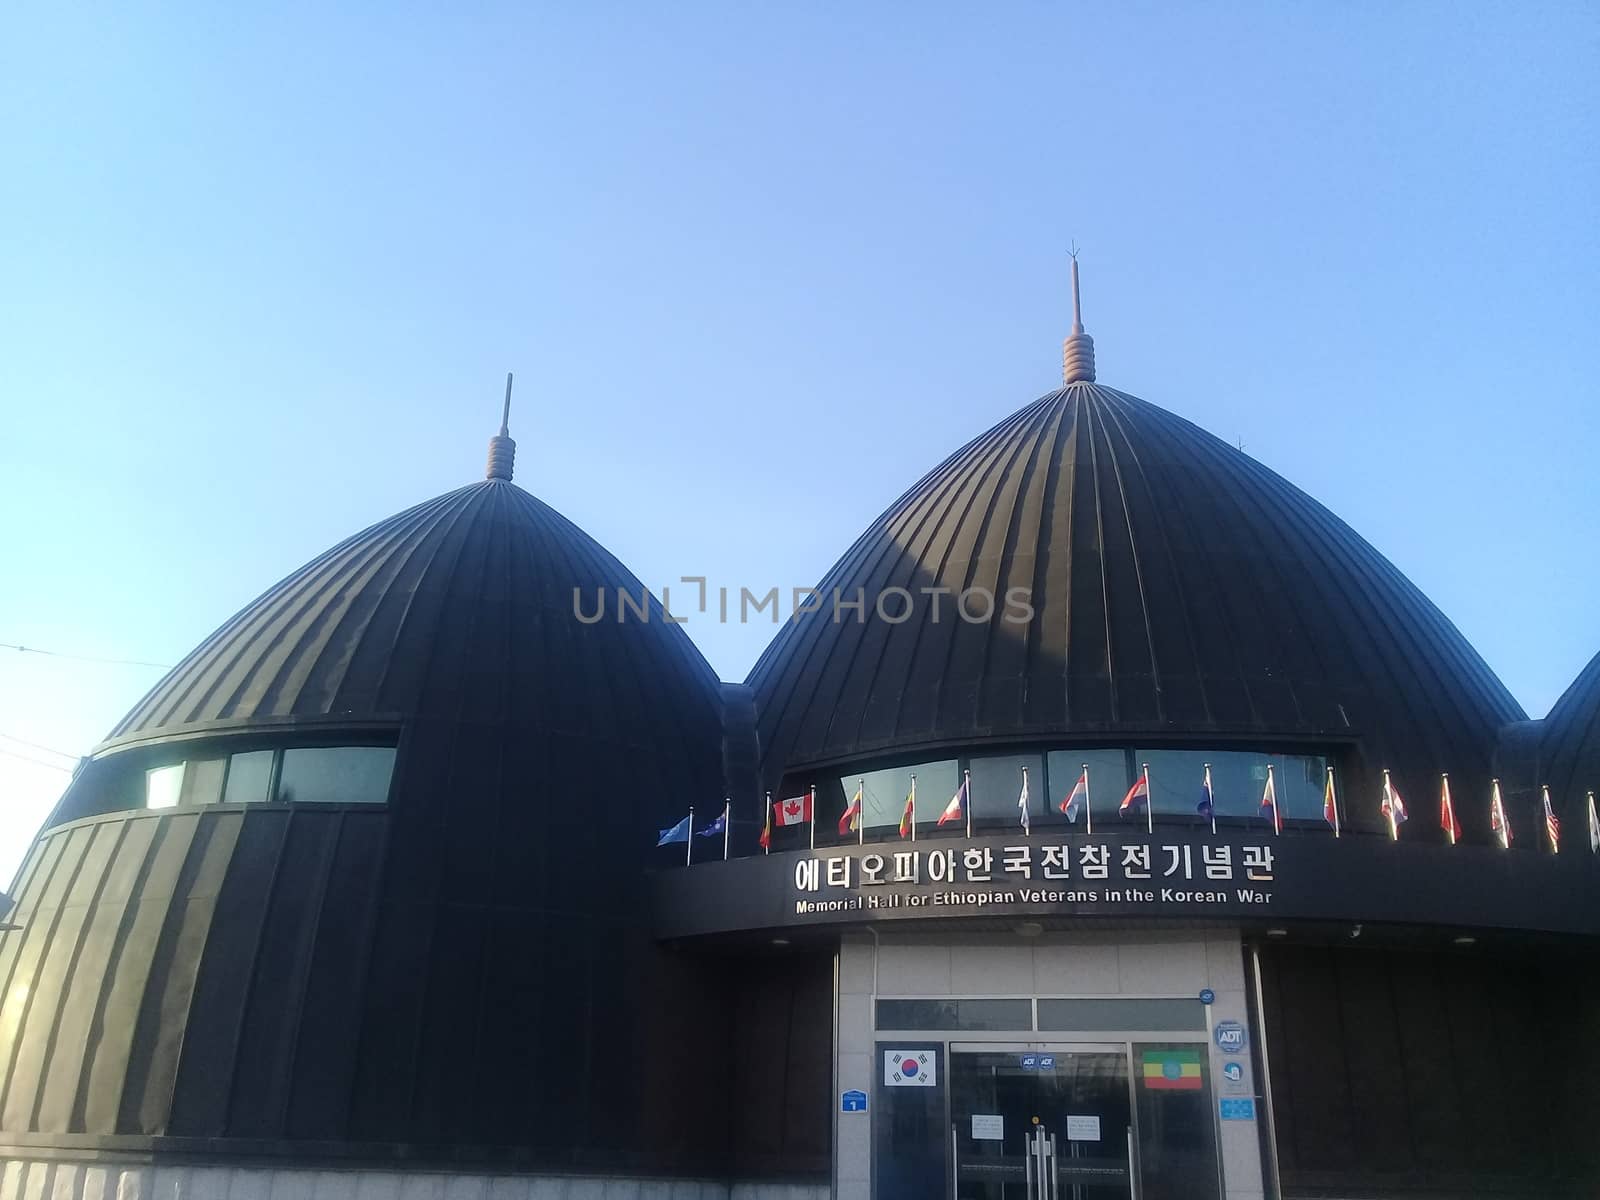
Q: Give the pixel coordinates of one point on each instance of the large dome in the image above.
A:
(437, 966)
(1179, 588)
(459, 608)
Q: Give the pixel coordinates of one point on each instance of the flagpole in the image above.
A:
(966, 788)
(1388, 806)
(1211, 800)
(1450, 805)
(1027, 825)
(1594, 824)
(727, 824)
(1088, 809)
(1334, 793)
(766, 824)
(913, 809)
(1149, 803)
(811, 805)
(688, 845)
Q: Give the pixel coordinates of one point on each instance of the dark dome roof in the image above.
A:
(1180, 587)
(460, 608)
(1569, 743)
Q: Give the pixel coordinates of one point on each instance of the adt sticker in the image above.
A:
(1207, 996)
(1047, 1062)
(1030, 1062)
(853, 1102)
(1238, 1110)
(1230, 1037)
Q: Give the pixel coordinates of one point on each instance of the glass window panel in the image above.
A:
(1104, 1016)
(997, 786)
(336, 774)
(1177, 1121)
(1108, 779)
(957, 1014)
(884, 794)
(163, 786)
(249, 775)
(202, 781)
(1238, 780)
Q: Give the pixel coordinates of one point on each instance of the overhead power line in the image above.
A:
(11, 737)
(37, 761)
(94, 658)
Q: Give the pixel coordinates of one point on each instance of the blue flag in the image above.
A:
(714, 828)
(678, 833)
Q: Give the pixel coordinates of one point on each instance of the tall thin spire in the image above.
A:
(502, 450)
(1077, 352)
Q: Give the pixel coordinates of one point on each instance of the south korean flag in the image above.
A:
(910, 1068)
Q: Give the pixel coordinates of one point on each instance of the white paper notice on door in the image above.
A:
(1081, 1129)
(988, 1127)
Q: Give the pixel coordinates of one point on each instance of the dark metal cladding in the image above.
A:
(1570, 750)
(1180, 588)
(463, 974)
(460, 608)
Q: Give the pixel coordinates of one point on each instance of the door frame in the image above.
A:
(1007, 1043)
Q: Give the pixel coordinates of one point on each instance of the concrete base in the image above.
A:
(22, 1179)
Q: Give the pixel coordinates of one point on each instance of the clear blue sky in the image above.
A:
(757, 267)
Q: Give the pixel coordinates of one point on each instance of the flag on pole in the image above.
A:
(1499, 822)
(1594, 827)
(957, 807)
(1447, 811)
(1552, 827)
(1022, 802)
(908, 815)
(677, 833)
(1393, 807)
(1078, 795)
(1138, 794)
(1208, 804)
(1330, 804)
(766, 827)
(796, 810)
(1269, 803)
(851, 821)
(717, 826)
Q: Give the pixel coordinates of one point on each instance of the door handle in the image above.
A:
(1027, 1165)
(1135, 1189)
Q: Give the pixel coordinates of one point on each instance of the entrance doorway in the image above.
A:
(1063, 1121)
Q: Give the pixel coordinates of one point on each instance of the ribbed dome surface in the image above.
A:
(460, 608)
(1179, 587)
(1569, 745)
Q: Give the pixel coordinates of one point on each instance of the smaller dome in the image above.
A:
(1569, 744)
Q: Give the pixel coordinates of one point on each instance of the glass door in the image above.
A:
(1041, 1122)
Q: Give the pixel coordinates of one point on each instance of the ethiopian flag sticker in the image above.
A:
(1173, 1070)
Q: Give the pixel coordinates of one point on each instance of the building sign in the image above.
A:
(1175, 873)
(910, 1068)
(1237, 1109)
(1091, 872)
(853, 1101)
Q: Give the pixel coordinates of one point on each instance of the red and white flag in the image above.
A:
(957, 807)
(1499, 823)
(796, 810)
(1552, 827)
(1447, 812)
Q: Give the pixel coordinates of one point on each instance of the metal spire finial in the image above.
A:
(1077, 352)
(502, 450)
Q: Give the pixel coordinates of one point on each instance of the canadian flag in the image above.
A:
(794, 811)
